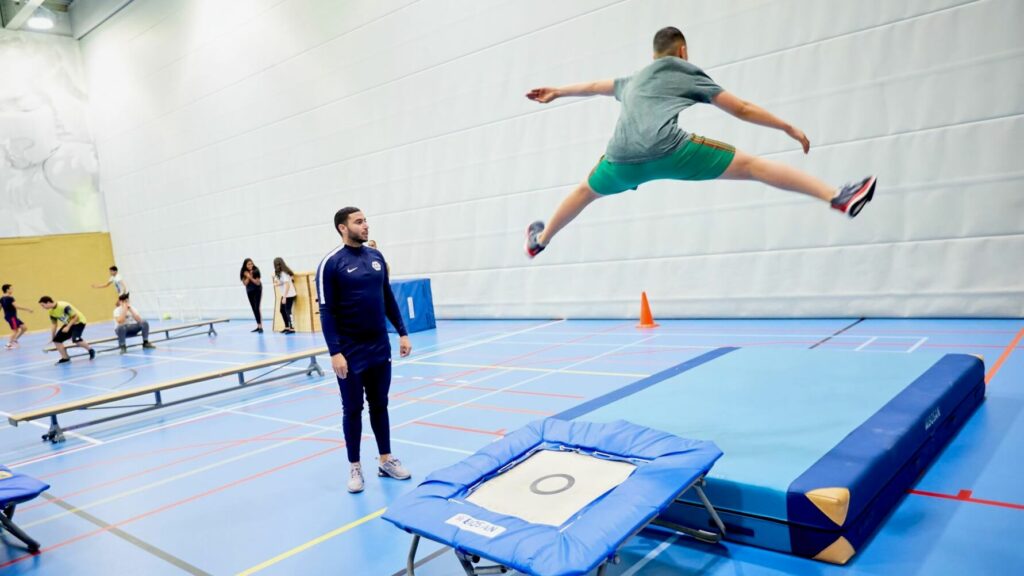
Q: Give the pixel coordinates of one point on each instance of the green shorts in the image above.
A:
(698, 158)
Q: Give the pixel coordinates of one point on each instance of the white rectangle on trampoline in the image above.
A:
(550, 487)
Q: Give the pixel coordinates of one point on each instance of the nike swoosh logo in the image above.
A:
(351, 270)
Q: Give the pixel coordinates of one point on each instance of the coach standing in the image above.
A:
(355, 298)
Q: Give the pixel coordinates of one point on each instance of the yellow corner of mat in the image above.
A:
(833, 502)
(838, 552)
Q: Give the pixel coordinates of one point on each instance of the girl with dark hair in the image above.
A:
(283, 280)
(250, 277)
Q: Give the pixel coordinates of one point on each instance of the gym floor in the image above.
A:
(253, 480)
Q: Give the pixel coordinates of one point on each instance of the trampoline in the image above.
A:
(557, 497)
(820, 445)
(17, 489)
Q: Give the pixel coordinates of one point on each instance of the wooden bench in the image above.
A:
(56, 432)
(210, 331)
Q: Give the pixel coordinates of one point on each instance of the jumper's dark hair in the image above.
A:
(668, 39)
(6, 287)
(113, 268)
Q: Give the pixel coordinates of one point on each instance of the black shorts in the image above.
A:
(14, 322)
(75, 334)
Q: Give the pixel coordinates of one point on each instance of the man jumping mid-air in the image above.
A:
(649, 145)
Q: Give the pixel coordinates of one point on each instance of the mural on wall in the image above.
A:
(49, 172)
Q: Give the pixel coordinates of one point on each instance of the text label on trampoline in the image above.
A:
(467, 522)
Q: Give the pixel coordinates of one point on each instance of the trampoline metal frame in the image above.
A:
(469, 561)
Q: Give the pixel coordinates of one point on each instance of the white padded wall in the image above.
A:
(236, 128)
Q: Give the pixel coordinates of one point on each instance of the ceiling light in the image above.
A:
(42, 19)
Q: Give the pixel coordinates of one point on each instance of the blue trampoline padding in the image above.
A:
(16, 488)
(821, 443)
(665, 466)
(838, 546)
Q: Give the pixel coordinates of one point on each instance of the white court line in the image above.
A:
(327, 380)
(338, 430)
(441, 392)
(72, 381)
(29, 389)
(918, 345)
(525, 369)
(651, 555)
(169, 479)
(527, 381)
(88, 439)
(186, 358)
(865, 344)
(606, 344)
(732, 335)
(242, 456)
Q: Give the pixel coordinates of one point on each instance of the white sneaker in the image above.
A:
(355, 480)
(393, 467)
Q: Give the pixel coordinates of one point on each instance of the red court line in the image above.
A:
(500, 432)
(480, 406)
(498, 365)
(175, 504)
(520, 392)
(55, 389)
(967, 496)
(1002, 358)
(221, 446)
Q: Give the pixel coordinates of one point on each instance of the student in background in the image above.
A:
(11, 315)
(128, 322)
(72, 324)
(117, 280)
(283, 280)
(250, 276)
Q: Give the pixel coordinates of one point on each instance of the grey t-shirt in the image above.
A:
(651, 102)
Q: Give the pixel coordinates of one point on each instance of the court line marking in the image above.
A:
(514, 368)
(168, 480)
(134, 540)
(328, 379)
(918, 344)
(302, 547)
(1002, 357)
(338, 430)
(651, 555)
(29, 389)
(516, 385)
(865, 344)
(185, 358)
(89, 439)
(967, 496)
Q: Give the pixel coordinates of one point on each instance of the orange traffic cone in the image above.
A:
(646, 319)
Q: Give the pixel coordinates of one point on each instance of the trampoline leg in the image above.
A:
(410, 562)
(466, 564)
(11, 527)
(711, 509)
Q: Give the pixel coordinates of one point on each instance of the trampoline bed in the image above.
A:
(556, 497)
(819, 445)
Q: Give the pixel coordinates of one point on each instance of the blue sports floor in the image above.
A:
(253, 481)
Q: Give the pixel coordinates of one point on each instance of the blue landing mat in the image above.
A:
(819, 445)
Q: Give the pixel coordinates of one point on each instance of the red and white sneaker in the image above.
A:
(533, 246)
(853, 196)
